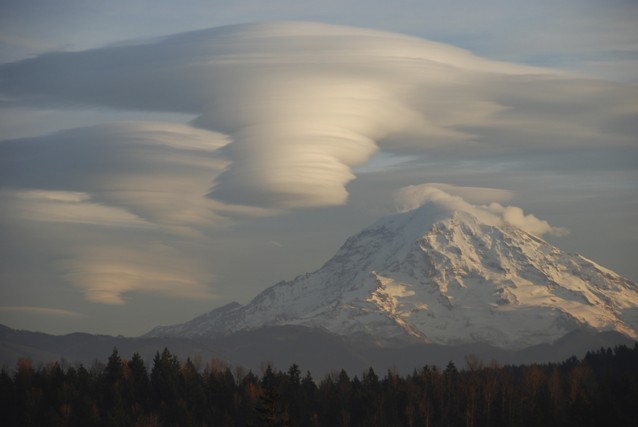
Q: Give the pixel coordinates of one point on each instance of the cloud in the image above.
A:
(45, 311)
(515, 216)
(65, 207)
(413, 196)
(303, 104)
(124, 205)
(285, 115)
(149, 174)
(106, 274)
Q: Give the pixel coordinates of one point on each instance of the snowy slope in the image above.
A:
(439, 276)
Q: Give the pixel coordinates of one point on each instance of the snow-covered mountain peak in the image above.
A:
(444, 275)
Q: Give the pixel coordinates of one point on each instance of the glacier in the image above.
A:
(442, 276)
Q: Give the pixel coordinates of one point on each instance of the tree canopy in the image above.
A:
(600, 389)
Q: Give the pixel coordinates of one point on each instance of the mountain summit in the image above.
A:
(443, 276)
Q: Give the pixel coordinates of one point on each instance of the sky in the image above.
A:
(160, 159)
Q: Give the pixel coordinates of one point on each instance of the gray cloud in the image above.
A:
(45, 311)
(413, 196)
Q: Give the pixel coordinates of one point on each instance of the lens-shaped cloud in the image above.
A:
(146, 173)
(108, 274)
(124, 205)
(304, 103)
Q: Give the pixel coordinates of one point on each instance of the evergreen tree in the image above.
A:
(8, 399)
(138, 384)
(271, 412)
(602, 389)
(164, 383)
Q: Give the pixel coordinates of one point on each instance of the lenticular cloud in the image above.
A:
(118, 207)
(304, 103)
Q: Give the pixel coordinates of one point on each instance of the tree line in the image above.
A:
(600, 389)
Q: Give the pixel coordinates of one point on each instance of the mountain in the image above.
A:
(313, 349)
(436, 275)
(316, 350)
(87, 348)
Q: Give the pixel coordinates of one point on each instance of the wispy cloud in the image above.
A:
(44, 311)
(413, 196)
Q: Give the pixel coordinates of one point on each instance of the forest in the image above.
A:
(599, 389)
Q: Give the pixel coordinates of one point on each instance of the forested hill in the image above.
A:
(316, 350)
(600, 389)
